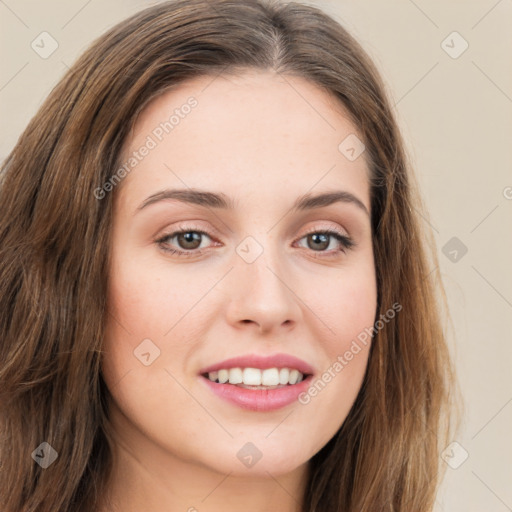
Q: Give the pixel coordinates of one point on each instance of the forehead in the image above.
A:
(248, 134)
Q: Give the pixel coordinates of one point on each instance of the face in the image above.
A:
(254, 285)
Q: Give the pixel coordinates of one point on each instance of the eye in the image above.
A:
(189, 240)
(320, 240)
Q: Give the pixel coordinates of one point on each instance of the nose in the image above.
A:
(262, 295)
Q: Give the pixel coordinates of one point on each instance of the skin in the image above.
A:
(263, 140)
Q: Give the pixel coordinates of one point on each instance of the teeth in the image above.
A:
(270, 377)
(294, 375)
(257, 377)
(251, 377)
(235, 376)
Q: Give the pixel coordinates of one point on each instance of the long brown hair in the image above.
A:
(55, 239)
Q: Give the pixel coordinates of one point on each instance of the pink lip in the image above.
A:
(261, 362)
(259, 399)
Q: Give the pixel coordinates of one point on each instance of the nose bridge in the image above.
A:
(261, 292)
(258, 256)
(259, 260)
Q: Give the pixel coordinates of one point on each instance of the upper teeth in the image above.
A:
(257, 377)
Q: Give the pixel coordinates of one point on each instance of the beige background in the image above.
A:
(456, 116)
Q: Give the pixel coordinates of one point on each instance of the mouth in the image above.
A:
(256, 378)
(258, 383)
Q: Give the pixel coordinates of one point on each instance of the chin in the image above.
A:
(256, 456)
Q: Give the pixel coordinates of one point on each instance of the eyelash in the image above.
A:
(346, 242)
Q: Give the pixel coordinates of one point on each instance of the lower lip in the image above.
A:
(261, 400)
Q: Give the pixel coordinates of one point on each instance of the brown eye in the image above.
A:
(185, 242)
(318, 241)
(189, 240)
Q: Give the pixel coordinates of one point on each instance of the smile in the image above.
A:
(258, 383)
(256, 378)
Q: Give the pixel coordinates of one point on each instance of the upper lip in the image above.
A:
(261, 362)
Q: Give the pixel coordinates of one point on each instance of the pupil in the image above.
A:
(189, 238)
(316, 236)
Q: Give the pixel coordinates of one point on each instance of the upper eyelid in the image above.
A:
(205, 231)
(193, 228)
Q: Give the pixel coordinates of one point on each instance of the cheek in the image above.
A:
(139, 317)
(347, 308)
(356, 307)
(150, 300)
(352, 313)
(149, 317)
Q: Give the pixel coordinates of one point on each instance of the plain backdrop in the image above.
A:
(448, 68)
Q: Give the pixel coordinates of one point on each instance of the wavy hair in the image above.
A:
(55, 239)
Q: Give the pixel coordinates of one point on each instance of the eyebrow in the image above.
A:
(221, 201)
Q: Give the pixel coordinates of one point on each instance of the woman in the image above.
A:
(215, 289)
